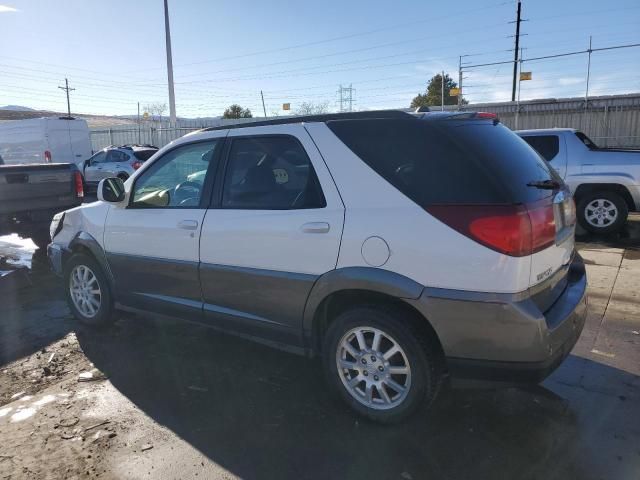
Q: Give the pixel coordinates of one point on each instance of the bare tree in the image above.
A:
(156, 109)
(310, 108)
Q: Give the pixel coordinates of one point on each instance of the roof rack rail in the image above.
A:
(325, 117)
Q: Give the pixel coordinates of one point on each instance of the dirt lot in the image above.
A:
(165, 399)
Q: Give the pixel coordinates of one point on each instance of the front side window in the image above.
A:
(546, 145)
(99, 157)
(270, 173)
(176, 180)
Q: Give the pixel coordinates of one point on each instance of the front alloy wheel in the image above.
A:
(88, 292)
(84, 289)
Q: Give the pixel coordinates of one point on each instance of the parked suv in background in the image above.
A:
(118, 162)
(401, 248)
(605, 181)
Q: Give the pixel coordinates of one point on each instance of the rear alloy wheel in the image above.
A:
(602, 212)
(375, 372)
(88, 293)
(380, 364)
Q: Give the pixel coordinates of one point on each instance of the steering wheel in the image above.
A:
(187, 192)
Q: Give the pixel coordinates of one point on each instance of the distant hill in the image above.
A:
(12, 112)
(17, 108)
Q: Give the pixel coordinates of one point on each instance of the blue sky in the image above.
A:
(227, 51)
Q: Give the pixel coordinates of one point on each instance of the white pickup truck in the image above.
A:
(605, 182)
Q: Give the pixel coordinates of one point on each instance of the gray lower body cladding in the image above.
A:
(487, 336)
(508, 337)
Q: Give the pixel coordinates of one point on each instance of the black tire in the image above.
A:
(104, 315)
(422, 354)
(608, 198)
(123, 176)
(41, 239)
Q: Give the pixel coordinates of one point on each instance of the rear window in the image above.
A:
(143, 155)
(546, 145)
(448, 161)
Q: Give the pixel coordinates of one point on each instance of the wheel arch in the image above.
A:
(341, 289)
(588, 188)
(85, 243)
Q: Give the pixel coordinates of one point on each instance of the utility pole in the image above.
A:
(442, 91)
(67, 89)
(264, 109)
(139, 142)
(172, 97)
(516, 51)
(519, 88)
(586, 93)
(460, 82)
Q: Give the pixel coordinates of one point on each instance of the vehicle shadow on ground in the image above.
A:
(33, 313)
(628, 237)
(261, 413)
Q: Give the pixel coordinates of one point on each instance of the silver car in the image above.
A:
(118, 162)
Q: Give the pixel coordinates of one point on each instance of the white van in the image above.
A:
(45, 140)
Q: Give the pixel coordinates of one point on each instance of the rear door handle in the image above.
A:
(316, 227)
(188, 224)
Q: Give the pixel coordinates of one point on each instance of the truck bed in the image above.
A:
(31, 194)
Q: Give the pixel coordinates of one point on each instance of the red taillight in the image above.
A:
(77, 179)
(47, 156)
(543, 225)
(136, 165)
(515, 230)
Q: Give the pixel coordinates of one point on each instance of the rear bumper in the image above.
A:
(506, 338)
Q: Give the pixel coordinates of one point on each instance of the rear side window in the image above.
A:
(448, 161)
(546, 145)
(587, 141)
(117, 156)
(270, 173)
(143, 155)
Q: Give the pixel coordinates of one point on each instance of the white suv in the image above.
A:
(404, 249)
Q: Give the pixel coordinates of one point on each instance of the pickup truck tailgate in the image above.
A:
(36, 186)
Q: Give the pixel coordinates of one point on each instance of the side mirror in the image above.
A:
(111, 190)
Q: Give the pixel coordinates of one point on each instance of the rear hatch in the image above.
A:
(481, 179)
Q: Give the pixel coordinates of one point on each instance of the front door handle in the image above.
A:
(188, 224)
(316, 227)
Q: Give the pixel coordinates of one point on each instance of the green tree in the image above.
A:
(433, 95)
(236, 111)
